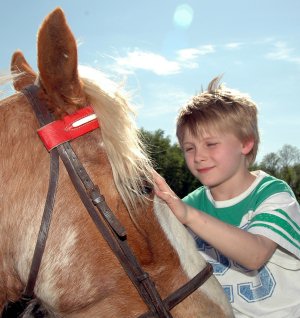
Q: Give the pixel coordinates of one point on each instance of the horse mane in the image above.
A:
(121, 138)
(5, 79)
(130, 164)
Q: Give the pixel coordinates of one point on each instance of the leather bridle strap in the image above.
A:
(120, 247)
(184, 291)
(44, 227)
(118, 244)
(44, 118)
(110, 228)
(115, 236)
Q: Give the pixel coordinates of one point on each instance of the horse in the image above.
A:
(79, 274)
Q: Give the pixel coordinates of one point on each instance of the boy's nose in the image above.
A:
(200, 155)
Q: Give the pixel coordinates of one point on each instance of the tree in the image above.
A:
(284, 165)
(289, 155)
(295, 183)
(168, 160)
(270, 163)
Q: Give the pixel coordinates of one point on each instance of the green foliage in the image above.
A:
(168, 160)
(284, 165)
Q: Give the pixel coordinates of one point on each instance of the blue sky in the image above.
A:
(166, 51)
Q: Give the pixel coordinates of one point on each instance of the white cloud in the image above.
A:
(283, 52)
(193, 53)
(149, 61)
(188, 54)
(138, 59)
(233, 45)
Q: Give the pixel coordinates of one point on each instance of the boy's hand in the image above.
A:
(163, 191)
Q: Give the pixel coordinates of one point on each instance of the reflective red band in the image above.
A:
(68, 128)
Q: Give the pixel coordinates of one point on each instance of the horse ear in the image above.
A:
(57, 60)
(20, 66)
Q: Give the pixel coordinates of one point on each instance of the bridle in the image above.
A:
(108, 225)
(110, 228)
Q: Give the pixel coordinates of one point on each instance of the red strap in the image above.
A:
(68, 128)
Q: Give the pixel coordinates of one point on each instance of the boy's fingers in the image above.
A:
(157, 177)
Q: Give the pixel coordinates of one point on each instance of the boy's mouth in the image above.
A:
(204, 170)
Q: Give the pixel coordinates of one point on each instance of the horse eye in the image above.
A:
(147, 188)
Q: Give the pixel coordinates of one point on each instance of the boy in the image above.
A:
(247, 224)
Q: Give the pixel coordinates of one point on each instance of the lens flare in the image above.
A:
(183, 16)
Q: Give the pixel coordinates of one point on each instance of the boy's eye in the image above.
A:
(211, 144)
(188, 149)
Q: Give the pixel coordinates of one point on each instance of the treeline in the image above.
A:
(169, 162)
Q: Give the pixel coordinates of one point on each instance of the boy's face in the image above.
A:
(215, 158)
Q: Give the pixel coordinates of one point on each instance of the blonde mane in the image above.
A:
(6, 79)
(130, 165)
(121, 139)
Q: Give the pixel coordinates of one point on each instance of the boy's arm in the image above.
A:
(249, 250)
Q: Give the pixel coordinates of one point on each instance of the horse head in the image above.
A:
(80, 275)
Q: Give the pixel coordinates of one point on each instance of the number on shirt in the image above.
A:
(248, 291)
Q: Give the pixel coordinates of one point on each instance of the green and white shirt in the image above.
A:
(269, 208)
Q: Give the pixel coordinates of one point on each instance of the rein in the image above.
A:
(107, 224)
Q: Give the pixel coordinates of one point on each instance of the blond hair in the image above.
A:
(221, 109)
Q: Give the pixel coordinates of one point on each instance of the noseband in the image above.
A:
(107, 224)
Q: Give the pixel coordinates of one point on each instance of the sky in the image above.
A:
(166, 51)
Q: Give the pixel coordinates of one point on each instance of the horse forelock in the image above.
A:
(121, 139)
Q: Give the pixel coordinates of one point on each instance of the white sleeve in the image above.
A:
(278, 218)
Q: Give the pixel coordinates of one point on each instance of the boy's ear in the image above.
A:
(247, 146)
